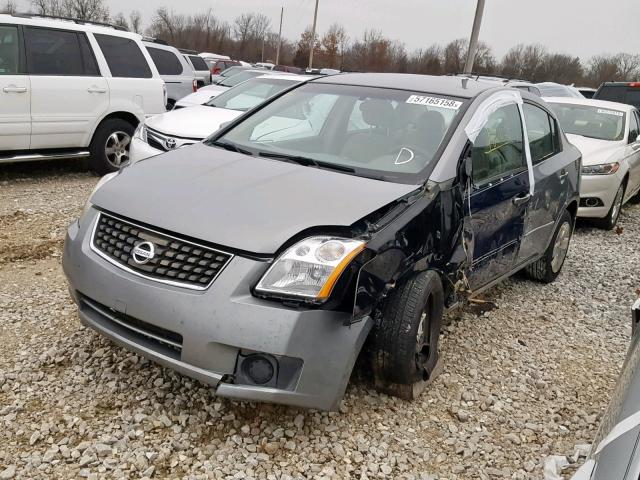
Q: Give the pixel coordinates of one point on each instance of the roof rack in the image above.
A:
(477, 76)
(70, 19)
(154, 40)
(187, 51)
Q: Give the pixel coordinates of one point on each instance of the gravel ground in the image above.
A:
(527, 379)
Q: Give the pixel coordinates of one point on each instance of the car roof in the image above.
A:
(66, 24)
(589, 102)
(444, 85)
(285, 76)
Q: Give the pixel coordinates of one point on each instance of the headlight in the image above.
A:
(141, 132)
(602, 169)
(101, 182)
(310, 268)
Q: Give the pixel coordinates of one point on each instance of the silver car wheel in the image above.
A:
(116, 148)
(617, 205)
(561, 247)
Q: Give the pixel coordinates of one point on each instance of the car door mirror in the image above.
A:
(633, 136)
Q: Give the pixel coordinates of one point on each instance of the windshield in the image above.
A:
(591, 121)
(384, 133)
(249, 94)
(558, 90)
(240, 77)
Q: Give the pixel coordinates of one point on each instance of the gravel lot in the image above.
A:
(524, 380)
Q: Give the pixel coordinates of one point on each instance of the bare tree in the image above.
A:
(120, 21)
(628, 66)
(603, 68)
(333, 43)
(9, 7)
(135, 20)
(93, 10)
(455, 54)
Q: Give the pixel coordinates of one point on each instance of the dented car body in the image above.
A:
(344, 212)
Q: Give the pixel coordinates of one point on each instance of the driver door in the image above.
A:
(498, 197)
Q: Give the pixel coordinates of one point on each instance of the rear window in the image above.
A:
(9, 50)
(124, 57)
(166, 62)
(198, 62)
(591, 121)
(619, 93)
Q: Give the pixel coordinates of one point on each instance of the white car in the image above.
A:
(608, 135)
(73, 89)
(204, 94)
(186, 126)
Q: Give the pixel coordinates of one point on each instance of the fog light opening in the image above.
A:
(591, 202)
(258, 368)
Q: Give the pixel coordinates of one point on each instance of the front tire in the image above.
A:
(405, 347)
(547, 268)
(110, 145)
(610, 221)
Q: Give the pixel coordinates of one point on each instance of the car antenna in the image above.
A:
(465, 80)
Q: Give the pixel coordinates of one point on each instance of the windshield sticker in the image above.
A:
(434, 102)
(610, 112)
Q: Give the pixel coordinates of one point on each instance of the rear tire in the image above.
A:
(549, 266)
(405, 346)
(110, 145)
(610, 221)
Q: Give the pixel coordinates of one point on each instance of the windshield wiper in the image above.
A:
(306, 161)
(232, 147)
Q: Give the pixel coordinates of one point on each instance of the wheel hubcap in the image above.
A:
(117, 148)
(617, 205)
(561, 247)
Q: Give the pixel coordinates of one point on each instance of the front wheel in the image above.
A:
(547, 268)
(405, 349)
(610, 221)
(110, 145)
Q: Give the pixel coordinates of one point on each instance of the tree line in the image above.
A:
(252, 37)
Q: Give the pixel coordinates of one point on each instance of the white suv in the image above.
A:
(73, 89)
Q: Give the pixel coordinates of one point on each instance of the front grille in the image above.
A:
(174, 261)
(158, 140)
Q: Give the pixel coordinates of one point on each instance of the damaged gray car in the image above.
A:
(340, 218)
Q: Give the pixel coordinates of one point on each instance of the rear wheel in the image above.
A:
(110, 145)
(610, 221)
(405, 349)
(547, 268)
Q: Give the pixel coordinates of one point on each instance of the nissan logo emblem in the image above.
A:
(143, 252)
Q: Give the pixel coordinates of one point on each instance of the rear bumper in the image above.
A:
(216, 326)
(603, 187)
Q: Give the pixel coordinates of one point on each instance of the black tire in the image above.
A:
(610, 221)
(544, 270)
(397, 356)
(100, 161)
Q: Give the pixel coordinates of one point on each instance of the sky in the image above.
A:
(578, 27)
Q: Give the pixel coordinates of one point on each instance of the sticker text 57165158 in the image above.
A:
(434, 102)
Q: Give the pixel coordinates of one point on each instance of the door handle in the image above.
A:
(521, 199)
(14, 89)
(96, 90)
(563, 174)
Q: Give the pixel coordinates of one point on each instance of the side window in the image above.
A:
(198, 62)
(543, 141)
(9, 50)
(634, 128)
(498, 150)
(166, 62)
(53, 52)
(633, 97)
(124, 57)
(88, 58)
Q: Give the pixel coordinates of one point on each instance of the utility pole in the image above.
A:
(475, 33)
(279, 37)
(313, 35)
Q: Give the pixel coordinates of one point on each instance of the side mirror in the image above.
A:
(468, 166)
(633, 136)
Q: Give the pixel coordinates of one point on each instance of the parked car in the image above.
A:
(607, 134)
(181, 127)
(212, 58)
(288, 69)
(264, 65)
(551, 89)
(204, 94)
(587, 92)
(199, 66)
(261, 260)
(621, 92)
(614, 454)
(73, 89)
(177, 73)
(507, 82)
(228, 73)
(219, 66)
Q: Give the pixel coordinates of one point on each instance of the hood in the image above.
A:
(595, 151)
(239, 201)
(202, 96)
(195, 122)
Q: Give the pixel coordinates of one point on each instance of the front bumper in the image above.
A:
(603, 187)
(139, 150)
(216, 326)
